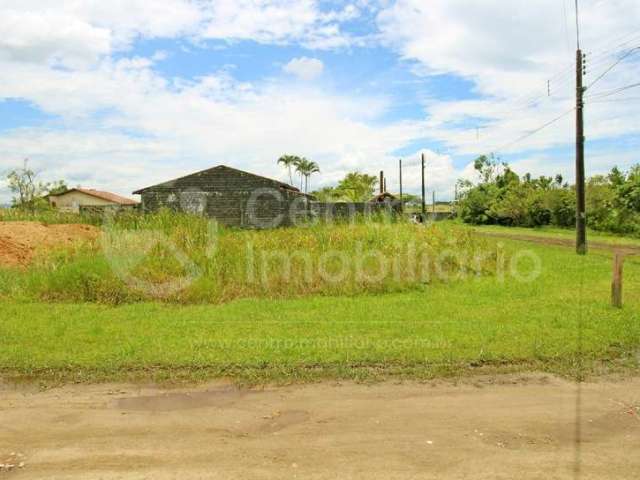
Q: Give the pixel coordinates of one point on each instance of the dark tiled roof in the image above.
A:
(171, 183)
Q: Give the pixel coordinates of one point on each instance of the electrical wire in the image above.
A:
(616, 100)
(613, 92)
(615, 64)
(577, 25)
(565, 24)
(533, 132)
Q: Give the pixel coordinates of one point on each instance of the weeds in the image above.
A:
(46, 216)
(180, 258)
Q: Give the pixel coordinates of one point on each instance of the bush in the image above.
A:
(613, 202)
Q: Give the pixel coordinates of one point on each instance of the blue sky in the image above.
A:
(120, 95)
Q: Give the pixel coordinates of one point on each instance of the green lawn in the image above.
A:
(479, 325)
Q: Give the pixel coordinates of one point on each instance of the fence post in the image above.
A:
(616, 284)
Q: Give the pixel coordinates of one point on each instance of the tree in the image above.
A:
(629, 190)
(306, 168)
(328, 194)
(411, 200)
(56, 188)
(357, 187)
(28, 189)
(487, 167)
(289, 161)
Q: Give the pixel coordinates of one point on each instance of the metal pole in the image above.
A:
(401, 202)
(581, 215)
(424, 204)
(433, 205)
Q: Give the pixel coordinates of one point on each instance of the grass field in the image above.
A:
(186, 259)
(561, 322)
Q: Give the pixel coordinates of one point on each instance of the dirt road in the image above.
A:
(522, 429)
(564, 242)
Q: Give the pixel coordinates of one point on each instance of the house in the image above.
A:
(231, 196)
(76, 198)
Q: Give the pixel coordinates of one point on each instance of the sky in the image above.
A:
(123, 94)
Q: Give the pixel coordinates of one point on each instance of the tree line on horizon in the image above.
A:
(502, 197)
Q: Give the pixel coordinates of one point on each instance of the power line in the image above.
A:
(616, 100)
(563, 79)
(537, 130)
(614, 92)
(616, 63)
(616, 44)
(578, 24)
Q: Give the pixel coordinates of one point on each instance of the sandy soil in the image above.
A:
(21, 241)
(515, 428)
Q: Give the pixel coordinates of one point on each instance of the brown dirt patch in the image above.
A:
(565, 242)
(522, 428)
(20, 242)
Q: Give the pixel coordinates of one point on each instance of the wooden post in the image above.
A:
(433, 204)
(581, 215)
(381, 181)
(616, 284)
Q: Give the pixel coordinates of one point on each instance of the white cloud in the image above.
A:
(304, 68)
(178, 127)
(44, 37)
(277, 22)
(175, 126)
(509, 50)
(80, 33)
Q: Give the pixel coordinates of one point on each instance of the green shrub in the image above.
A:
(613, 201)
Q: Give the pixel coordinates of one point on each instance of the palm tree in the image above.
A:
(306, 168)
(289, 161)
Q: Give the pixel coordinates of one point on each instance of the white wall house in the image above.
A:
(73, 199)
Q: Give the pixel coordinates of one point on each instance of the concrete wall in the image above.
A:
(232, 197)
(343, 210)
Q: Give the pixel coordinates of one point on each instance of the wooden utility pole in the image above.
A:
(616, 283)
(433, 204)
(581, 214)
(381, 181)
(401, 202)
(424, 200)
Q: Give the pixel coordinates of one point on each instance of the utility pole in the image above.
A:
(381, 182)
(433, 204)
(581, 215)
(401, 202)
(424, 200)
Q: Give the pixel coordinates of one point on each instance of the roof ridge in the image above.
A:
(291, 187)
(102, 194)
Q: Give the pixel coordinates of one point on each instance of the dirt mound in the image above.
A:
(21, 241)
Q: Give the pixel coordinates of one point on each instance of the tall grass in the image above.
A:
(186, 259)
(46, 216)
